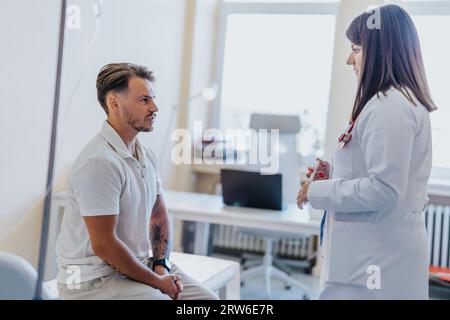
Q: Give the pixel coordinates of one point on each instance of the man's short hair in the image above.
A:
(115, 76)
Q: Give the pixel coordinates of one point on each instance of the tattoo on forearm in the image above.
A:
(160, 241)
(159, 233)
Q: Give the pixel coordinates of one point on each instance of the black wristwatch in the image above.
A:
(162, 262)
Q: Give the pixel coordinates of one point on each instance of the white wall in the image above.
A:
(147, 32)
(202, 65)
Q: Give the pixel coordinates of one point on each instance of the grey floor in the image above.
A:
(254, 289)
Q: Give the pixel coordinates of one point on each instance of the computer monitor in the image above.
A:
(251, 189)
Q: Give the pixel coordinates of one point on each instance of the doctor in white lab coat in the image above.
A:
(373, 243)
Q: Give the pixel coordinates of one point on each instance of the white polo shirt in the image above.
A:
(106, 180)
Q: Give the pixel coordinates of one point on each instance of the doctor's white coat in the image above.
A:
(374, 244)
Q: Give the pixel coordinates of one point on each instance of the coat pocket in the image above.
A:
(352, 253)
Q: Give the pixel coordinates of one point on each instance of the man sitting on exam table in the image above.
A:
(115, 211)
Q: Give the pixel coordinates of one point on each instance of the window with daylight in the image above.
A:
(436, 54)
(278, 62)
(432, 19)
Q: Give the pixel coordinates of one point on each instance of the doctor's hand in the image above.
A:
(323, 171)
(302, 195)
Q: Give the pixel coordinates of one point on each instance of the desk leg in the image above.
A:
(316, 268)
(201, 238)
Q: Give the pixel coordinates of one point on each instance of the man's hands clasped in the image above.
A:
(170, 284)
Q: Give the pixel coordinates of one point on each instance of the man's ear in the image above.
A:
(112, 101)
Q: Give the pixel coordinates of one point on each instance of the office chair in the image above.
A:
(268, 268)
(288, 127)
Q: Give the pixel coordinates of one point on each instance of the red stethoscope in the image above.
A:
(346, 135)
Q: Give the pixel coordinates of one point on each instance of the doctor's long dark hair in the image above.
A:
(391, 57)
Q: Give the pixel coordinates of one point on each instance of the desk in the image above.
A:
(204, 209)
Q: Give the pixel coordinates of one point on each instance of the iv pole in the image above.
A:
(48, 192)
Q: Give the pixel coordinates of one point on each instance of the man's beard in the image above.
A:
(135, 123)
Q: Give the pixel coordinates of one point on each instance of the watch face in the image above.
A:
(163, 262)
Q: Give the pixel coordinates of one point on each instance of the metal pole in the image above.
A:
(48, 190)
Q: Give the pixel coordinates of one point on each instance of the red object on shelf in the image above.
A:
(434, 269)
(441, 273)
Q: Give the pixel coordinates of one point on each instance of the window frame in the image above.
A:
(421, 7)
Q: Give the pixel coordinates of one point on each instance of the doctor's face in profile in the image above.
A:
(355, 58)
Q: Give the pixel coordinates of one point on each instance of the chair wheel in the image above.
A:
(305, 297)
(242, 283)
(287, 287)
(308, 270)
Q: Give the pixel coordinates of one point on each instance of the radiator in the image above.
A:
(437, 221)
(228, 237)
